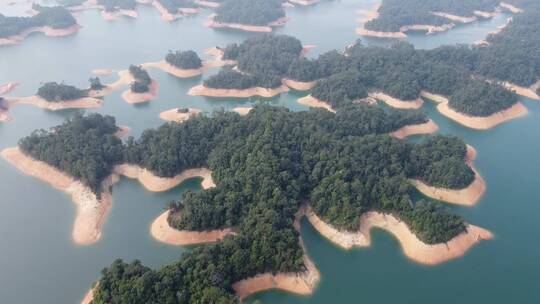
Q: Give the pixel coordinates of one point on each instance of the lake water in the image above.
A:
(40, 264)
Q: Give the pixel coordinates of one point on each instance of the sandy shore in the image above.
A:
(487, 15)
(299, 85)
(311, 101)
(397, 103)
(476, 122)
(163, 232)
(102, 72)
(132, 98)
(115, 15)
(468, 196)
(455, 18)
(243, 111)
(91, 212)
(304, 2)
(413, 248)
(428, 127)
(174, 115)
(122, 132)
(218, 61)
(81, 103)
(46, 30)
(212, 23)
(529, 92)
(165, 14)
(201, 90)
(6, 88)
(376, 34)
(88, 297)
(175, 71)
(511, 8)
(209, 4)
(155, 183)
(303, 283)
(429, 29)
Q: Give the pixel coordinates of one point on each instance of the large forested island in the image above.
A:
(267, 166)
(249, 15)
(52, 21)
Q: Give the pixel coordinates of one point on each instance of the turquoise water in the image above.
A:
(40, 264)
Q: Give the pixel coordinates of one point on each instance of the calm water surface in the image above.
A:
(40, 264)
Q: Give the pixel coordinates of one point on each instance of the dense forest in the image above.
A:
(55, 17)
(264, 164)
(393, 14)
(250, 12)
(57, 92)
(184, 59)
(142, 79)
(263, 60)
(84, 146)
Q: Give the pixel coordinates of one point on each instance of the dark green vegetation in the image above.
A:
(263, 61)
(184, 59)
(250, 12)
(113, 5)
(142, 79)
(54, 17)
(85, 147)
(402, 72)
(56, 92)
(512, 55)
(264, 164)
(172, 6)
(69, 3)
(95, 84)
(393, 14)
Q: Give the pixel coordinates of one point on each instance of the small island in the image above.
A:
(182, 64)
(55, 96)
(248, 15)
(51, 21)
(171, 10)
(179, 114)
(142, 88)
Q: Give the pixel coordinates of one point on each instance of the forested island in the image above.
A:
(186, 60)
(56, 92)
(52, 21)
(265, 165)
(142, 80)
(248, 15)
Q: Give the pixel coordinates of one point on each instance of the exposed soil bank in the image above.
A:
(156, 183)
(428, 127)
(413, 248)
(175, 71)
(397, 103)
(91, 211)
(176, 116)
(8, 87)
(467, 196)
(299, 85)
(476, 122)
(163, 232)
(315, 103)
(243, 111)
(46, 30)
(132, 98)
(201, 90)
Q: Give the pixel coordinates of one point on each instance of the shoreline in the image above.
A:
(178, 117)
(212, 23)
(397, 103)
(313, 102)
(511, 8)
(428, 127)
(468, 196)
(163, 232)
(115, 15)
(91, 212)
(45, 30)
(133, 98)
(201, 90)
(301, 283)
(529, 92)
(242, 111)
(102, 72)
(299, 85)
(412, 247)
(304, 2)
(218, 61)
(175, 71)
(154, 183)
(476, 122)
(455, 18)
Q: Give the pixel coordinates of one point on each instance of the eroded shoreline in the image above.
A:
(202, 90)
